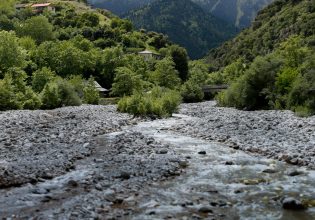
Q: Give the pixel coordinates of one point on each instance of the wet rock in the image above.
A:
(124, 175)
(72, 183)
(229, 163)
(183, 163)
(292, 204)
(205, 209)
(202, 152)
(269, 170)
(295, 173)
(161, 151)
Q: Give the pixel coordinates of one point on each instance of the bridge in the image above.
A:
(214, 88)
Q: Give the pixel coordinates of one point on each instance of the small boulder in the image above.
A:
(202, 152)
(292, 204)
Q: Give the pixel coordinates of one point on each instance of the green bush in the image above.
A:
(8, 97)
(191, 92)
(31, 100)
(67, 94)
(91, 94)
(41, 77)
(156, 103)
(255, 88)
(50, 96)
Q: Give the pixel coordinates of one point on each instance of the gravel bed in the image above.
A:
(276, 134)
(37, 145)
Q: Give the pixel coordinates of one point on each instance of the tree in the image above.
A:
(91, 94)
(7, 7)
(38, 28)
(41, 77)
(165, 74)
(11, 54)
(191, 92)
(126, 82)
(180, 58)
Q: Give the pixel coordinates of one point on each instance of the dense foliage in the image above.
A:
(271, 64)
(52, 59)
(156, 103)
(185, 23)
(272, 26)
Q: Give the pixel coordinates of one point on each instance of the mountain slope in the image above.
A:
(119, 7)
(239, 12)
(273, 25)
(185, 23)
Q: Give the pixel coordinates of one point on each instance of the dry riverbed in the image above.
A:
(93, 162)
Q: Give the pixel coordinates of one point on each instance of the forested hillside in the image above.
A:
(185, 23)
(273, 25)
(271, 65)
(50, 57)
(238, 12)
(119, 7)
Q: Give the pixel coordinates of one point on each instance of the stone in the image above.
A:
(124, 175)
(292, 204)
(229, 163)
(294, 173)
(72, 183)
(161, 151)
(202, 152)
(269, 171)
(205, 209)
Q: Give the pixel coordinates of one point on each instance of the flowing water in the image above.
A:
(229, 181)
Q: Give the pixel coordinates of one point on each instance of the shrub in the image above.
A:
(191, 92)
(8, 98)
(126, 82)
(157, 103)
(41, 77)
(67, 94)
(253, 90)
(50, 96)
(91, 94)
(31, 100)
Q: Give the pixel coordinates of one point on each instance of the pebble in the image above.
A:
(292, 204)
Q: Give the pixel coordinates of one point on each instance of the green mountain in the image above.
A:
(119, 7)
(239, 12)
(185, 23)
(273, 25)
(271, 65)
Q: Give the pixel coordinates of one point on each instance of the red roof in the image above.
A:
(41, 5)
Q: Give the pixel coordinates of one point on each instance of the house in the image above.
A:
(102, 91)
(39, 8)
(147, 55)
(21, 6)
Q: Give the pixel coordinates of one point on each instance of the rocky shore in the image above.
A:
(37, 145)
(275, 134)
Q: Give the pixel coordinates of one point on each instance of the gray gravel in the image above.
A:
(37, 145)
(276, 134)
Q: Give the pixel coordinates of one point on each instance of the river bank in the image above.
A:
(275, 134)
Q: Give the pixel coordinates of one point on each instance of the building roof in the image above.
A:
(41, 5)
(147, 52)
(22, 5)
(99, 87)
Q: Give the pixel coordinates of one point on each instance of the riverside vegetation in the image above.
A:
(51, 60)
(270, 65)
